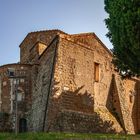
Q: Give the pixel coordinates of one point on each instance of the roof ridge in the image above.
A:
(11, 64)
(97, 38)
(80, 34)
(50, 30)
(42, 31)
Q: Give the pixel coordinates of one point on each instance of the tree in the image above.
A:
(123, 24)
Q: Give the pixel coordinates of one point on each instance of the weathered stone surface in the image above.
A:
(15, 79)
(74, 86)
(73, 121)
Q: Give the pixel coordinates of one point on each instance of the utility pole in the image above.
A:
(17, 78)
(16, 106)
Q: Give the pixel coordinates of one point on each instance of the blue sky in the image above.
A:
(19, 17)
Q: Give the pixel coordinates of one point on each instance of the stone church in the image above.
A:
(67, 83)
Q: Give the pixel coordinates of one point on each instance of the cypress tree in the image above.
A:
(123, 23)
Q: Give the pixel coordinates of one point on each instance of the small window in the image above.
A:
(131, 96)
(16, 81)
(11, 72)
(21, 80)
(131, 99)
(96, 72)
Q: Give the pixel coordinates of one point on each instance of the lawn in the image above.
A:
(65, 136)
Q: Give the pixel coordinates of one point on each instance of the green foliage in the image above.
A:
(123, 24)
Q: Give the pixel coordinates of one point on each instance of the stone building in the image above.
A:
(14, 78)
(70, 85)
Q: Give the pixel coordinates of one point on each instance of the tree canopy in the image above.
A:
(123, 24)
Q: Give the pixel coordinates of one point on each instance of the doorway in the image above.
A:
(22, 125)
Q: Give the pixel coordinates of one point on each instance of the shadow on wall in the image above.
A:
(74, 112)
(135, 97)
(77, 101)
(113, 103)
(5, 125)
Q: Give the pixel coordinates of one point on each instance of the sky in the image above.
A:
(19, 17)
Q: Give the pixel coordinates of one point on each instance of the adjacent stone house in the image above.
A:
(14, 78)
(70, 86)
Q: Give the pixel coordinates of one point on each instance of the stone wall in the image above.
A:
(74, 88)
(5, 123)
(30, 43)
(128, 95)
(42, 80)
(73, 121)
(10, 85)
(84, 51)
(123, 102)
(68, 92)
(76, 67)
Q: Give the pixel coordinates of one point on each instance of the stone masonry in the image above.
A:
(9, 86)
(72, 86)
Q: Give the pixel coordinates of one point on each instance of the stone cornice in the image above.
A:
(14, 64)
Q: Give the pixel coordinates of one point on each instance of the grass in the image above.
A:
(66, 136)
